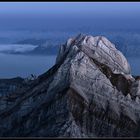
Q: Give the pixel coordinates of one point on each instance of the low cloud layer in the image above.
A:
(16, 47)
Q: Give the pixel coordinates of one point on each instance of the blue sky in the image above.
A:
(71, 8)
(69, 14)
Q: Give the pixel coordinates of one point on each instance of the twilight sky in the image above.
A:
(108, 9)
(54, 15)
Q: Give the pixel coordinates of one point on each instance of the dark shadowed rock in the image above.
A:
(89, 92)
(8, 86)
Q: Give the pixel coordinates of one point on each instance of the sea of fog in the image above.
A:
(17, 48)
(24, 65)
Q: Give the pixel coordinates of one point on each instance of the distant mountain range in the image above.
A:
(30, 47)
(31, 41)
(44, 47)
(129, 45)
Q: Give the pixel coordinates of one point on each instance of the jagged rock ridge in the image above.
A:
(89, 92)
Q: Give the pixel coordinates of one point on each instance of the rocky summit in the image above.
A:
(89, 92)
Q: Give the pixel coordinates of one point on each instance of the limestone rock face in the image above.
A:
(87, 93)
(102, 50)
(135, 88)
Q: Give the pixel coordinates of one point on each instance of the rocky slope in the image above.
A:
(8, 86)
(89, 92)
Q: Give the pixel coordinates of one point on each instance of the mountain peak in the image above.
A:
(89, 92)
(100, 49)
